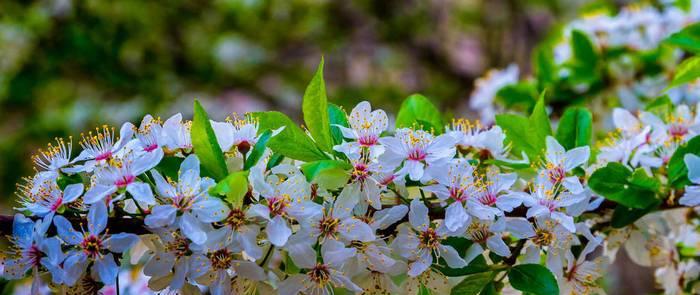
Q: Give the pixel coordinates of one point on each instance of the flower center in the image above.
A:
(479, 232)
(367, 140)
(457, 193)
(360, 172)
(221, 259)
(488, 199)
(278, 205)
(328, 226)
(556, 174)
(678, 131)
(236, 219)
(417, 154)
(429, 239)
(34, 254)
(320, 274)
(91, 245)
(124, 181)
(179, 246)
(543, 237)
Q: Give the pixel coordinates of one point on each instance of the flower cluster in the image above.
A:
(380, 204)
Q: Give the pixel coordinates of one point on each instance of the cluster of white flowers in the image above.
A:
(409, 195)
(629, 42)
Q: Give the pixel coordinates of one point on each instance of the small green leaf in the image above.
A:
(258, 150)
(661, 107)
(417, 108)
(292, 142)
(545, 69)
(170, 167)
(677, 171)
(527, 134)
(315, 109)
(206, 146)
(688, 71)
(234, 187)
(617, 183)
(521, 94)
(687, 39)
(329, 174)
(583, 51)
(67, 179)
(473, 284)
(533, 278)
(337, 116)
(575, 128)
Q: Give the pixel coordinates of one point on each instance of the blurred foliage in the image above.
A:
(69, 65)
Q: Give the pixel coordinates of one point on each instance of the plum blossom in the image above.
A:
(417, 150)
(418, 241)
(366, 127)
(219, 264)
(238, 133)
(99, 147)
(321, 276)
(55, 157)
(171, 257)
(486, 88)
(581, 275)
(187, 203)
(92, 247)
(559, 162)
(121, 174)
(284, 202)
(32, 250)
(43, 198)
(177, 134)
(150, 136)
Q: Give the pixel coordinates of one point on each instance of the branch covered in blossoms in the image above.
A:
(255, 204)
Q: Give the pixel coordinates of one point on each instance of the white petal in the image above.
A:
(455, 216)
(452, 257)
(192, 229)
(161, 216)
(97, 218)
(107, 269)
(418, 215)
(72, 192)
(141, 193)
(496, 244)
(98, 192)
(278, 231)
(693, 163)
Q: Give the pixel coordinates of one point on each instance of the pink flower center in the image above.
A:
(104, 156)
(457, 194)
(91, 245)
(367, 140)
(151, 147)
(488, 199)
(57, 204)
(549, 204)
(417, 155)
(678, 131)
(556, 174)
(34, 255)
(124, 181)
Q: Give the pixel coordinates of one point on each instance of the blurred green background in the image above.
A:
(67, 66)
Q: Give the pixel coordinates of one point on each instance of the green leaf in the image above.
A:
(337, 116)
(65, 180)
(516, 130)
(583, 50)
(533, 278)
(258, 150)
(545, 69)
(617, 183)
(315, 109)
(521, 94)
(661, 106)
(575, 128)
(687, 39)
(205, 145)
(292, 142)
(527, 134)
(416, 109)
(170, 167)
(234, 187)
(473, 284)
(687, 71)
(329, 174)
(677, 171)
